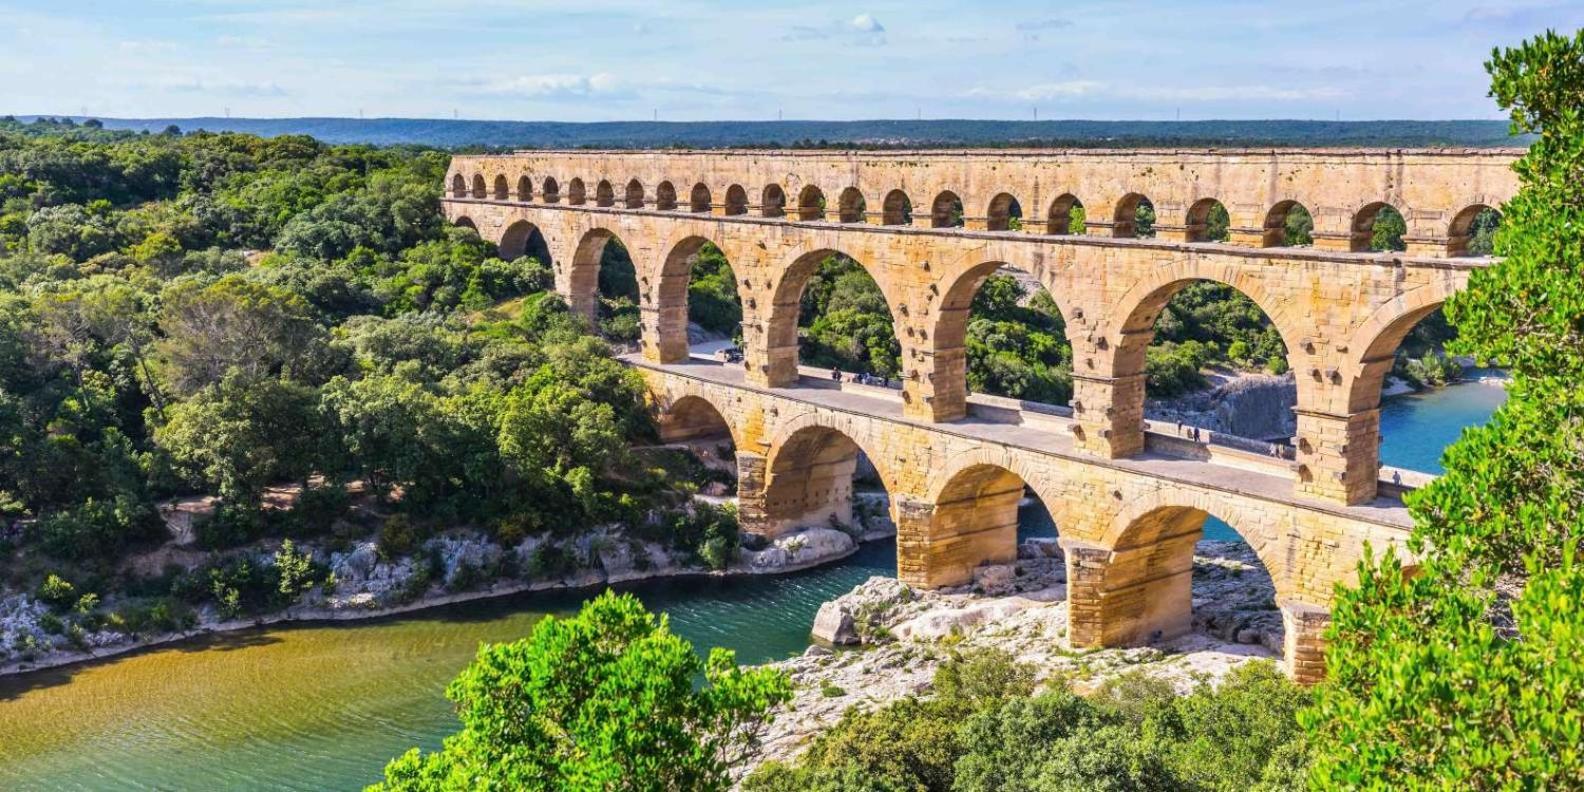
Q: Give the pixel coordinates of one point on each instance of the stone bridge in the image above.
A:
(1129, 503)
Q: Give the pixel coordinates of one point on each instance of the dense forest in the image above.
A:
(923, 133)
(289, 326)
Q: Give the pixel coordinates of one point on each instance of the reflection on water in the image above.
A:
(324, 707)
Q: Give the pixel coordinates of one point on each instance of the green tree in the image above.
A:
(1469, 673)
(238, 436)
(235, 324)
(604, 700)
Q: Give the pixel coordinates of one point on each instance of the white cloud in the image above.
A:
(1049, 23)
(863, 29)
(866, 23)
(1066, 89)
(245, 88)
(550, 86)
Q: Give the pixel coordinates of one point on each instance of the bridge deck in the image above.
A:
(1228, 471)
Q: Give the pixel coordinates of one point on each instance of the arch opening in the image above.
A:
(811, 203)
(523, 238)
(635, 194)
(898, 209)
(981, 517)
(604, 194)
(844, 321)
(1191, 337)
(576, 193)
(479, 190)
(736, 200)
(458, 186)
(699, 198)
(693, 421)
(1011, 332)
(665, 196)
(819, 477)
(524, 188)
(852, 207)
(772, 202)
(551, 192)
(1288, 224)
(1473, 232)
(502, 191)
(1379, 227)
(1066, 216)
(698, 300)
(466, 222)
(946, 211)
(604, 286)
(1135, 218)
(1208, 221)
(1163, 560)
(1005, 214)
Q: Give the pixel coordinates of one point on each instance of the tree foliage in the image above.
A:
(1468, 671)
(607, 699)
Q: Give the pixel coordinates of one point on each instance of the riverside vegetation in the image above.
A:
(1468, 674)
(289, 332)
(370, 345)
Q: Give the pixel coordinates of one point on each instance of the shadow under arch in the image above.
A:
(692, 418)
(672, 297)
(948, 336)
(809, 476)
(1375, 342)
(781, 325)
(466, 222)
(583, 277)
(523, 238)
(976, 511)
(1143, 592)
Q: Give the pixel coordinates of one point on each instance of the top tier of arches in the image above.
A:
(1194, 197)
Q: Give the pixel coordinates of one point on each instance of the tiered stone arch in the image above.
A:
(582, 281)
(523, 238)
(1135, 584)
(780, 345)
(691, 417)
(1108, 384)
(666, 314)
(808, 472)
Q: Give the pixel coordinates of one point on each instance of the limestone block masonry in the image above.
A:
(930, 227)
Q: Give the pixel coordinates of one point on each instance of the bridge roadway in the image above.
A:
(1127, 526)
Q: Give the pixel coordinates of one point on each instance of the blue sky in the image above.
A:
(594, 60)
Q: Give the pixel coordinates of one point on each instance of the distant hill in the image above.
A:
(871, 134)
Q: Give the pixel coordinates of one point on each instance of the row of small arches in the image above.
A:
(1206, 219)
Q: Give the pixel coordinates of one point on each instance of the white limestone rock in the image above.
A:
(834, 625)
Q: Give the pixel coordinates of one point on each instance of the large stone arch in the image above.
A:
(780, 336)
(948, 333)
(1135, 586)
(523, 238)
(463, 221)
(582, 277)
(669, 338)
(691, 417)
(1373, 346)
(808, 476)
(1132, 316)
(1109, 374)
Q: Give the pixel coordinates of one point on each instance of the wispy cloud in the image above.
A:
(863, 29)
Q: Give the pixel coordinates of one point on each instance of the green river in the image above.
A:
(319, 707)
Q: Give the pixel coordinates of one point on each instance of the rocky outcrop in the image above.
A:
(902, 635)
(1258, 406)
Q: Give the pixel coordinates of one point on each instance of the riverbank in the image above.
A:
(368, 588)
(885, 640)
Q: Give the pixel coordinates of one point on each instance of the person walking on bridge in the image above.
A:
(835, 375)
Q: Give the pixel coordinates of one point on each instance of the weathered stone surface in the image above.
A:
(954, 485)
(833, 624)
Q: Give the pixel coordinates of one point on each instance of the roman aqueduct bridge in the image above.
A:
(930, 227)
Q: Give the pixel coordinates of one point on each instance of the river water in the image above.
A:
(324, 707)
